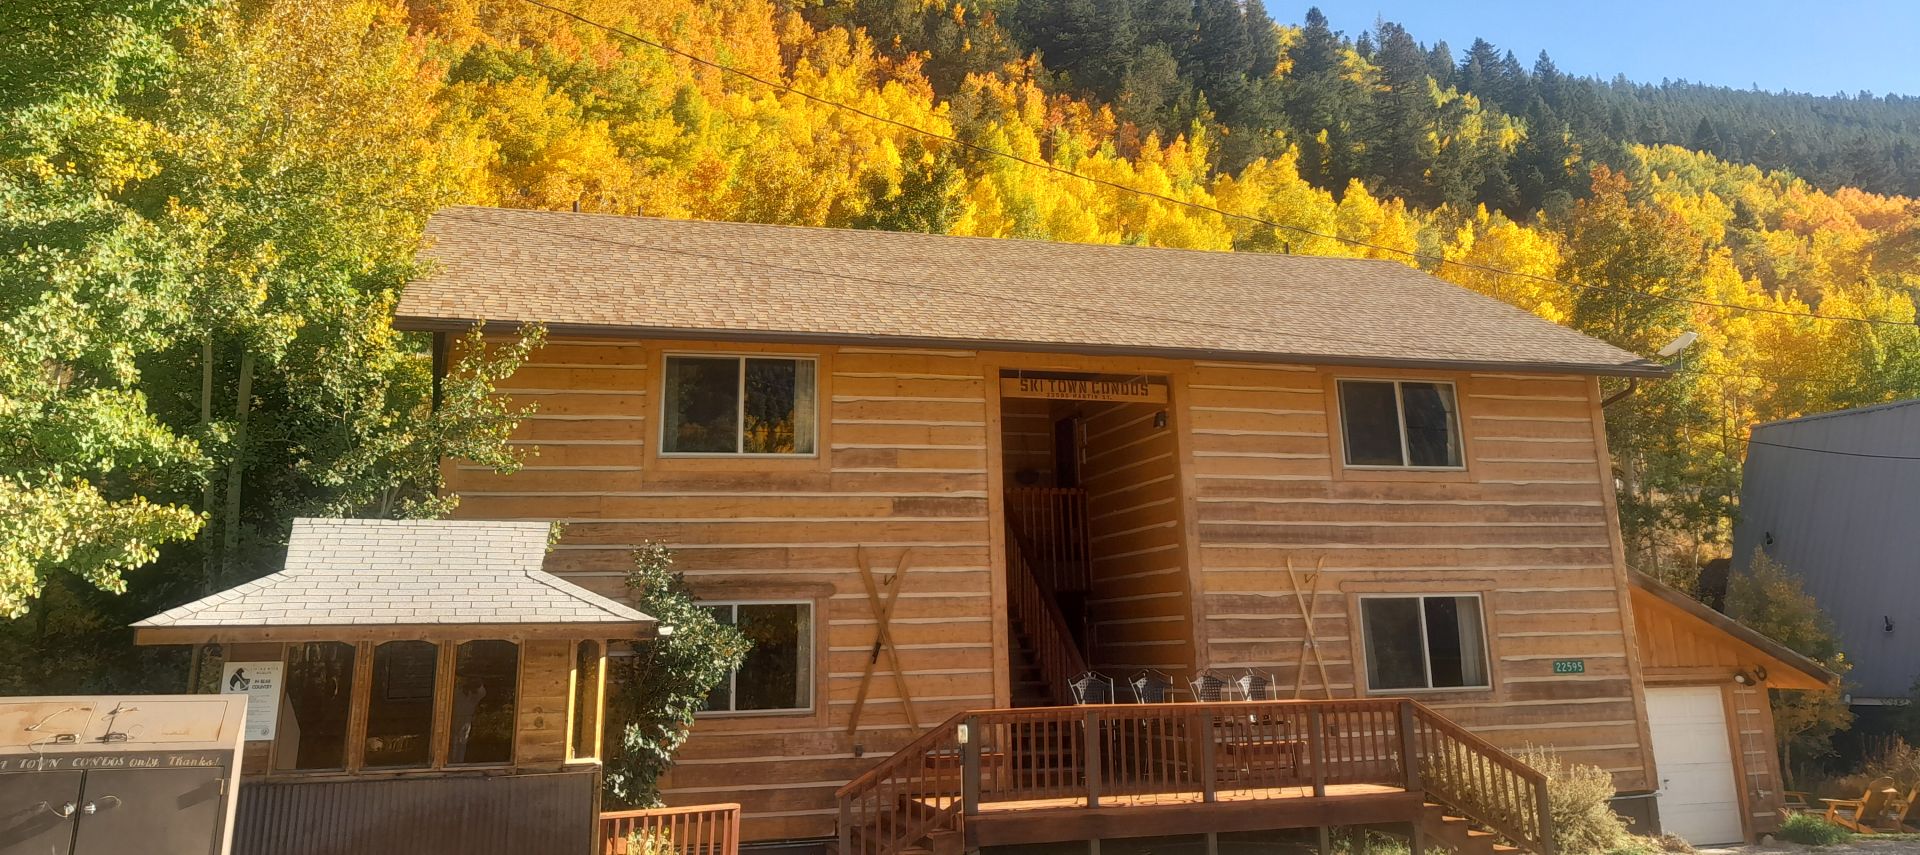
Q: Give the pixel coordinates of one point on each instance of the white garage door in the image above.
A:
(1695, 759)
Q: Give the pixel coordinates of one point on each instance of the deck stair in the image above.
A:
(1443, 825)
(1056, 774)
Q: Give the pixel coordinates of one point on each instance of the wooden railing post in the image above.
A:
(1409, 748)
(970, 766)
(1317, 751)
(1092, 739)
(1543, 808)
(846, 826)
(1202, 730)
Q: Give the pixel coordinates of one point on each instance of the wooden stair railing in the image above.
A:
(1104, 756)
(912, 795)
(1483, 783)
(1033, 604)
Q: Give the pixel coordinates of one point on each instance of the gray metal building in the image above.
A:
(1830, 497)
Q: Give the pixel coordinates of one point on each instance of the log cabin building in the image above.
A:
(938, 480)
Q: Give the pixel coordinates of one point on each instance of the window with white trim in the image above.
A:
(777, 673)
(1412, 424)
(744, 405)
(1424, 642)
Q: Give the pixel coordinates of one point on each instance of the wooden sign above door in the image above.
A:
(1091, 388)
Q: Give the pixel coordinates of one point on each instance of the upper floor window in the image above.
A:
(738, 405)
(1405, 423)
(1424, 642)
(777, 674)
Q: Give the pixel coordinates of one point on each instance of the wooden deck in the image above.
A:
(1058, 774)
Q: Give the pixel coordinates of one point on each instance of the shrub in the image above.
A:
(1811, 830)
(1581, 801)
(656, 691)
(654, 842)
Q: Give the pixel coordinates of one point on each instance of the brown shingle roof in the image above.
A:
(358, 573)
(594, 273)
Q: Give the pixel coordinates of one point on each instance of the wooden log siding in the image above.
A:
(910, 458)
(1527, 525)
(1139, 606)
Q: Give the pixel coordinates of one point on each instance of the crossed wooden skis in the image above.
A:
(883, 636)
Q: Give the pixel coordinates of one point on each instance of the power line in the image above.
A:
(1037, 164)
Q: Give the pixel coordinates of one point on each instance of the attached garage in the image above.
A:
(1693, 750)
(1715, 763)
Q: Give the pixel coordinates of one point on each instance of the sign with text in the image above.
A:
(260, 682)
(1131, 390)
(1569, 666)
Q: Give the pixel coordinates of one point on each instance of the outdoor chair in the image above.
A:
(1151, 687)
(1861, 814)
(1900, 810)
(1255, 686)
(1092, 687)
(1209, 687)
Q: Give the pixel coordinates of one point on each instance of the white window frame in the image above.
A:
(1426, 652)
(733, 676)
(1400, 424)
(740, 412)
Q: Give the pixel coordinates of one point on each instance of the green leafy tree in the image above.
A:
(1769, 598)
(656, 691)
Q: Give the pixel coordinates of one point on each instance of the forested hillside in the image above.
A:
(226, 197)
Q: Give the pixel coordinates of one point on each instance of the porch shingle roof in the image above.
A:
(595, 273)
(358, 573)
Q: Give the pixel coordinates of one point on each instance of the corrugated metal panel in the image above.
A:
(548, 814)
(1849, 527)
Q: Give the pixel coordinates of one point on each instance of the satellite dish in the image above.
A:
(1674, 347)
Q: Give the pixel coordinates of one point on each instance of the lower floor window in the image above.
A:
(777, 673)
(1424, 642)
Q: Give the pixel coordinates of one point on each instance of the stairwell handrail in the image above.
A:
(1039, 614)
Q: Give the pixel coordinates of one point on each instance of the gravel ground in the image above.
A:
(1904, 845)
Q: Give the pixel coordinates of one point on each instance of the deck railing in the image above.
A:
(1114, 755)
(911, 794)
(691, 830)
(1052, 524)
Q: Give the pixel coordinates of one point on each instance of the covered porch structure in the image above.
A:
(417, 686)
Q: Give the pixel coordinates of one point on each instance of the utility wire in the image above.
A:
(1037, 164)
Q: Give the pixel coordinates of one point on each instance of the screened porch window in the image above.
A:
(739, 405)
(777, 674)
(1424, 642)
(1400, 423)
(316, 705)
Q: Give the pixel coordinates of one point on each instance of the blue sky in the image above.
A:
(1818, 47)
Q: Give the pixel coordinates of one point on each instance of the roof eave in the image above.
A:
(427, 323)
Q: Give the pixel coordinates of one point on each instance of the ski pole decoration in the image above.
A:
(1309, 602)
(882, 603)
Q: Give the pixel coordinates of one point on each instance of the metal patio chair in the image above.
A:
(1151, 687)
(1092, 687)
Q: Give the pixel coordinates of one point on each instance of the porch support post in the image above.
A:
(1325, 839)
(1213, 843)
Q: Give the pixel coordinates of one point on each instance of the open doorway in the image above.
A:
(1096, 563)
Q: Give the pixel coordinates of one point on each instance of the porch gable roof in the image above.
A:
(356, 574)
